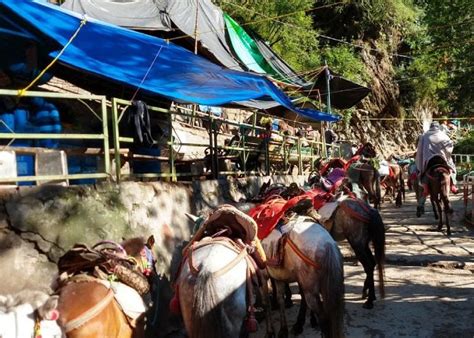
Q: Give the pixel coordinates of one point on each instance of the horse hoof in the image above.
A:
(297, 329)
(368, 305)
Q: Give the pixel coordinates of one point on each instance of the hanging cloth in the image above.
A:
(139, 121)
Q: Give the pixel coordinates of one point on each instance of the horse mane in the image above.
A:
(134, 246)
(34, 298)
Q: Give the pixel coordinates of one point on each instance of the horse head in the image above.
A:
(368, 150)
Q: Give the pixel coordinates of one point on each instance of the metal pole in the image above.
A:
(171, 158)
(116, 133)
(300, 159)
(328, 87)
(105, 131)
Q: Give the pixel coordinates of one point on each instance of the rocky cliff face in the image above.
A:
(392, 135)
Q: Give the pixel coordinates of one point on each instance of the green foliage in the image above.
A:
(347, 62)
(465, 145)
(436, 35)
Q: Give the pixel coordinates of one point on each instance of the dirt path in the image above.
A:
(429, 281)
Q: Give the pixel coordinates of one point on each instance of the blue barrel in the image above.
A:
(146, 166)
(25, 165)
(8, 120)
(21, 120)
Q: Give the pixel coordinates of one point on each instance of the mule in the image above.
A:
(394, 184)
(313, 260)
(29, 314)
(215, 281)
(368, 178)
(438, 182)
(88, 306)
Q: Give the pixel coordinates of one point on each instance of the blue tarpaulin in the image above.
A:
(139, 60)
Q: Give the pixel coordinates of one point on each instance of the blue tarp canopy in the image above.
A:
(142, 61)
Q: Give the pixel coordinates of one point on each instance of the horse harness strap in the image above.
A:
(300, 254)
(354, 213)
(242, 254)
(89, 314)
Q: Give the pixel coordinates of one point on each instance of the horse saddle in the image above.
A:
(101, 264)
(334, 179)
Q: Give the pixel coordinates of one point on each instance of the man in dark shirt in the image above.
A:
(330, 137)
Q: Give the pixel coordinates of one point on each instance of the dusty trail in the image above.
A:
(429, 281)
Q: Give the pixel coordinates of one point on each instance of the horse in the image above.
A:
(29, 314)
(394, 184)
(89, 309)
(214, 282)
(366, 176)
(313, 260)
(438, 182)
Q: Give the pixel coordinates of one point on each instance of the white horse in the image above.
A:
(29, 314)
(311, 258)
(214, 284)
(213, 306)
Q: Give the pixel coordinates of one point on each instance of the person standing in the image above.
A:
(330, 137)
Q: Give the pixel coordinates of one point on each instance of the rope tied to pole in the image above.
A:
(22, 92)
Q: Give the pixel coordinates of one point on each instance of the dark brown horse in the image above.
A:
(439, 182)
(361, 225)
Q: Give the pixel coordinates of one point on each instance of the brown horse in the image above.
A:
(88, 307)
(394, 184)
(439, 183)
(368, 178)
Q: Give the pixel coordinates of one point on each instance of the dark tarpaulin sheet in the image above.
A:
(161, 15)
(278, 64)
(140, 14)
(127, 57)
(344, 93)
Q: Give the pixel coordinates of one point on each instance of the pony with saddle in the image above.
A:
(363, 173)
(220, 269)
(300, 250)
(437, 186)
(29, 314)
(103, 291)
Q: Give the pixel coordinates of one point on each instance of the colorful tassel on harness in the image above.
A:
(251, 324)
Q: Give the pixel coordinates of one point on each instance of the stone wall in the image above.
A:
(39, 224)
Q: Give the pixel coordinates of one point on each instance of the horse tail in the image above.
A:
(377, 235)
(378, 195)
(208, 316)
(332, 290)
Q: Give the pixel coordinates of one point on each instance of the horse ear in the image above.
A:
(48, 310)
(192, 217)
(151, 241)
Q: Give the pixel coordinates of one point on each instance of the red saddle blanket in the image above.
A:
(268, 214)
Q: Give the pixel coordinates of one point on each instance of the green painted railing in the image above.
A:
(277, 157)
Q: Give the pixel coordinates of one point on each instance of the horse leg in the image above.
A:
(288, 294)
(266, 305)
(447, 211)
(365, 257)
(433, 204)
(280, 287)
(317, 313)
(301, 319)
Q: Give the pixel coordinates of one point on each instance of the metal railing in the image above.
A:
(277, 153)
(468, 192)
(12, 136)
(274, 153)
